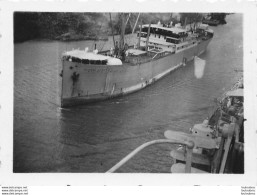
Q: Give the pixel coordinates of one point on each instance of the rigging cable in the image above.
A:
(96, 38)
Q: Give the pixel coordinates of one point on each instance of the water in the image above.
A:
(94, 137)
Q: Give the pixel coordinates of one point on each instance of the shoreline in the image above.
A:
(63, 40)
(72, 39)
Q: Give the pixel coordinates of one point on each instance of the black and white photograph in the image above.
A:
(89, 88)
(119, 92)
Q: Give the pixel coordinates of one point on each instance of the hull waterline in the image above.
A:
(101, 82)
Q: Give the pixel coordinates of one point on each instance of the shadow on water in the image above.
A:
(92, 138)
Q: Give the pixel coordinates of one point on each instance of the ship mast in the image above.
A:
(121, 46)
(148, 35)
(135, 23)
(139, 37)
(127, 19)
(185, 25)
(112, 30)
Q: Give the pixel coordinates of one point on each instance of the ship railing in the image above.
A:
(155, 56)
(137, 59)
(217, 153)
(188, 144)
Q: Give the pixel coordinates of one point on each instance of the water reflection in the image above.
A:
(92, 138)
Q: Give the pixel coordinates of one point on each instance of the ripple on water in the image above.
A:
(94, 137)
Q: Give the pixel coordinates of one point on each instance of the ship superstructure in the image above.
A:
(89, 76)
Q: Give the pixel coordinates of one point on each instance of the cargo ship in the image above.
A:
(89, 76)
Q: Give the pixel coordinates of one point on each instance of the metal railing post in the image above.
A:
(189, 152)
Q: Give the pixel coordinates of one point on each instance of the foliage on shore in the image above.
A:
(78, 26)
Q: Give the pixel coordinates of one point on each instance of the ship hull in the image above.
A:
(100, 82)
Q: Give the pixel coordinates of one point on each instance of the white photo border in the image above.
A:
(247, 8)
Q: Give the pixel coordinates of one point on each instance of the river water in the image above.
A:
(93, 138)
